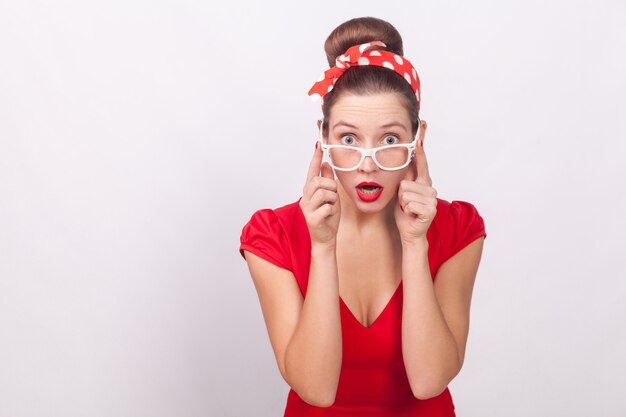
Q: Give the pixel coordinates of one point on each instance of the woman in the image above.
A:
(365, 282)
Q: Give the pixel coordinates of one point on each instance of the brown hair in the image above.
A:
(365, 80)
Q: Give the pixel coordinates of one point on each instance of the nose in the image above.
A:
(368, 165)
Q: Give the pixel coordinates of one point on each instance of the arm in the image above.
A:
(305, 332)
(314, 354)
(435, 316)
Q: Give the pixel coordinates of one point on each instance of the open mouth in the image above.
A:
(369, 189)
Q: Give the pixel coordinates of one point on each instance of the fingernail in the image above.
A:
(316, 145)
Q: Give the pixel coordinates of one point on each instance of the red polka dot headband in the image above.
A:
(359, 55)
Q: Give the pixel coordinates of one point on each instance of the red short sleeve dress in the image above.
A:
(373, 379)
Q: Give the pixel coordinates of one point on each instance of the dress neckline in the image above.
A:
(341, 302)
(378, 318)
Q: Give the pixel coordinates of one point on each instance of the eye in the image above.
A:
(349, 140)
(393, 140)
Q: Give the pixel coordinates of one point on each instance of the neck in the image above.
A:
(364, 224)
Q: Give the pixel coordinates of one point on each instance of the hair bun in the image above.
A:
(360, 30)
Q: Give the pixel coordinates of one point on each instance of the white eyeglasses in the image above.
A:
(388, 157)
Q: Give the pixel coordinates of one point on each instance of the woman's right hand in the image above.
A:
(320, 201)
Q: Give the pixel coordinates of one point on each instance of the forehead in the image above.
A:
(369, 111)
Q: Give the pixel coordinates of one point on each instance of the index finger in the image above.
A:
(423, 176)
(316, 163)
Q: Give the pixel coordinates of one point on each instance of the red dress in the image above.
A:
(373, 379)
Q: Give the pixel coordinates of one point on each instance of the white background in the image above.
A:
(138, 137)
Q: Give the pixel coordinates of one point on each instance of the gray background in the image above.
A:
(138, 137)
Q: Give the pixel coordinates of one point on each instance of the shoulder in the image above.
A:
(277, 216)
(464, 213)
(268, 233)
(456, 209)
(289, 212)
(460, 224)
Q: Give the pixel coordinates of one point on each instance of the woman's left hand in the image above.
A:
(416, 205)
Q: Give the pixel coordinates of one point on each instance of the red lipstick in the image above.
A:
(369, 191)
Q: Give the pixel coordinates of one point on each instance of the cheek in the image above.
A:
(395, 183)
(342, 177)
(398, 177)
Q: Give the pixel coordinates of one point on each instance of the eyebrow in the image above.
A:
(342, 123)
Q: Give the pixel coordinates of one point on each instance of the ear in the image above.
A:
(319, 122)
(423, 127)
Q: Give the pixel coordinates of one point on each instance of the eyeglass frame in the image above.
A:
(369, 151)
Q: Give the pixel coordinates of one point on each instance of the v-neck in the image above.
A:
(378, 318)
(341, 302)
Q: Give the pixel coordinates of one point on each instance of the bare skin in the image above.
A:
(369, 249)
(360, 252)
(383, 242)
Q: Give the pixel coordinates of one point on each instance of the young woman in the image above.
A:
(365, 282)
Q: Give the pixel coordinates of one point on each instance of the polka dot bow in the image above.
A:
(359, 55)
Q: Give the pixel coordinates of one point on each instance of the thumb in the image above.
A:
(327, 171)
